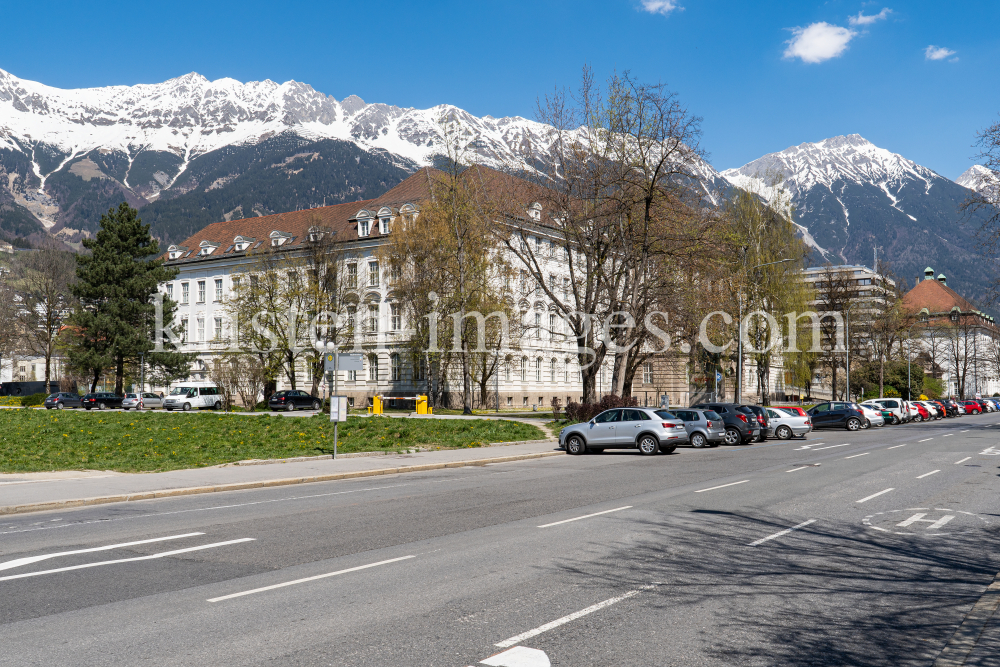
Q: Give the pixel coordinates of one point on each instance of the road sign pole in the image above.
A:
(336, 367)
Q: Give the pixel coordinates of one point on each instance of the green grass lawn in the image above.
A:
(36, 440)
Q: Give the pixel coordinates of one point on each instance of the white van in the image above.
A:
(193, 395)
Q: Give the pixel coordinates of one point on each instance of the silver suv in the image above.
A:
(625, 428)
(704, 427)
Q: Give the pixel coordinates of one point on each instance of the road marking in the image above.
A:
(965, 431)
(895, 446)
(832, 446)
(947, 435)
(815, 444)
(780, 533)
(571, 617)
(519, 656)
(963, 460)
(586, 516)
(874, 495)
(925, 440)
(302, 581)
(721, 486)
(927, 474)
(18, 562)
(127, 560)
(935, 524)
(990, 451)
(800, 468)
(854, 456)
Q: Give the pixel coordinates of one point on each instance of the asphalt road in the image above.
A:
(731, 556)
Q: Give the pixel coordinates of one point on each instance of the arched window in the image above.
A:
(538, 369)
(552, 369)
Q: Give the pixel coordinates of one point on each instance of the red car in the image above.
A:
(972, 407)
(922, 411)
(793, 410)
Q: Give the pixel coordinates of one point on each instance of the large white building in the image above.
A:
(544, 367)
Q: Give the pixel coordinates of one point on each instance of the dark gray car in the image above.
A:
(62, 400)
(704, 427)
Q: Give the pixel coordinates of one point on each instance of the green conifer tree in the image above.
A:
(115, 285)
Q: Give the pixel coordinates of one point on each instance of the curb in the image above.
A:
(354, 455)
(239, 486)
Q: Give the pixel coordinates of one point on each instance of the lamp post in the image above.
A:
(739, 340)
(331, 348)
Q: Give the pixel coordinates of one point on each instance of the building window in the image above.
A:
(384, 225)
(218, 289)
(373, 274)
(524, 369)
(395, 273)
(352, 376)
(201, 291)
(185, 292)
(170, 292)
(218, 328)
(363, 227)
(395, 317)
(184, 330)
(352, 275)
(373, 368)
(373, 318)
(394, 368)
(552, 369)
(647, 373)
(538, 369)
(510, 401)
(552, 325)
(524, 401)
(541, 401)
(506, 373)
(538, 325)
(201, 329)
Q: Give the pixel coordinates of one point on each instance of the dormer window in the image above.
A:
(384, 220)
(364, 219)
(241, 243)
(206, 248)
(176, 251)
(279, 239)
(408, 213)
(535, 212)
(316, 234)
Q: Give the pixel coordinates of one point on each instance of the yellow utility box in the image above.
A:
(422, 405)
(376, 407)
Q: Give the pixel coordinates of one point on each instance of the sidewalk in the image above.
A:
(22, 493)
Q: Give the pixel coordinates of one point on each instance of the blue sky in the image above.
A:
(763, 75)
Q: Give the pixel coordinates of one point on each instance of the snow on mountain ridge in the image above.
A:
(978, 178)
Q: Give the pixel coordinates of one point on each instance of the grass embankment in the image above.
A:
(34, 440)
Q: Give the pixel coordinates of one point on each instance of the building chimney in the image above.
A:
(928, 273)
(941, 279)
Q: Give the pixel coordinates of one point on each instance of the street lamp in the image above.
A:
(739, 340)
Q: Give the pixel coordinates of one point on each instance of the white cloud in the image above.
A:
(938, 53)
(660, 6)
(862, 19)
(818, 42)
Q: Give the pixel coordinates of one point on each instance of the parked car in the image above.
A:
(625, 428)
(949, 409)
(793, 410)
(150, 401)
(935, 411)
(188, 396)
(63, 399)
(973, 407)
(987, 406)
(760, 413)
(873, 417)
(836, 414)
(102, 400)
(923, 415)
(292, 399)
(741, 427)
(893, 405)
(786, 425)
(704, 427)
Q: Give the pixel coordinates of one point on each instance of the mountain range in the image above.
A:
(189, 152)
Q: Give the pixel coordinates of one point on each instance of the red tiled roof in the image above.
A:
(935, 297)
(339, 219)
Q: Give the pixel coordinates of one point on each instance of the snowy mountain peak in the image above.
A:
(978, 178)
(849, 158)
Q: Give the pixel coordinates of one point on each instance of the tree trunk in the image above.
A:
(466, 380)
(48, 369)
(119, 375)
(97, 378)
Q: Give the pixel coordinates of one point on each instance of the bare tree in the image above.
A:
(42, 280)
(836, 292)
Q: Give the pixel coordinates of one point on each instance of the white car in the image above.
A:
(894, 405)
(872, 415)
(193, 395)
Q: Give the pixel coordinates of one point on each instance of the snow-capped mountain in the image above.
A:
(852, 196)
(979, 178)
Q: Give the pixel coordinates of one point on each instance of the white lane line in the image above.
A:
(965, 431)
(571, 617)
(895, 446)
(963, 460)
(722, 486)
(586, 516)
(832, 446)
(127, 560)
(519, 656)
(874, 495)
(925, 440)
(302, 581)
(28, 560)
(801, 468)
(857, 455)
(947, 435)
(927, 474)
(783, 532)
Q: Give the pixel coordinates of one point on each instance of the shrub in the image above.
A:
(586, 411)
(556, 404)
(890, 392)
(33, 399)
